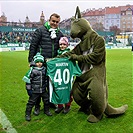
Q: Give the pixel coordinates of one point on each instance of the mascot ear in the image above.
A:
(77, 14)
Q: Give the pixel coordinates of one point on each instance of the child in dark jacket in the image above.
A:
(38, 86)
(29, 92)
(63, 47)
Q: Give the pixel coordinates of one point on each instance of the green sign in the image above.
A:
(23, 29)
(15, 45)
(16, 29)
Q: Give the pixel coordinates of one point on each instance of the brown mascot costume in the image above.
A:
(90, 90)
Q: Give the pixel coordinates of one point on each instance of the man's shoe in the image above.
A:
(27, 117)
(36, 111)
(66, 110)
(58, 110)
(48, 113)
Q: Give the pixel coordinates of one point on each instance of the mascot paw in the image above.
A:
(125, 107)
(93, 119)
(122, 109)
(73, 57)
(113, 112)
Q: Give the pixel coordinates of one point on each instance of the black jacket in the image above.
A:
(38, 81)
(41, 40)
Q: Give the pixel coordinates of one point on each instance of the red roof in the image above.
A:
(96, 12)
(112, 10)
(124, 8)
(106, 10)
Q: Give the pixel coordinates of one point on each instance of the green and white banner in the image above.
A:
(16, 29)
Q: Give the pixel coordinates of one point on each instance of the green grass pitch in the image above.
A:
(13, 98)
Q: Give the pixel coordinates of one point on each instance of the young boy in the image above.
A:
(63, 47)
(38, 86)
(29, 92)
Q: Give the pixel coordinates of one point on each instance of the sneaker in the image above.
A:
(27, 117)
(48, 113)
(66, 110)
(58, 110)
(36, 111)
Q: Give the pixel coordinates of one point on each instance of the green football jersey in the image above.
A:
(61, 72)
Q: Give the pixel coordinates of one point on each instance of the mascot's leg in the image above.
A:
(85, 106)
(98, 96)
(111, 111)
(80, 97)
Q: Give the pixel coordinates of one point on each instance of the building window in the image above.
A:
(117, 16)
(123, 13)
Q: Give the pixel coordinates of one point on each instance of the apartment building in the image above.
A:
(112, 17)
(95, 16)
(126, 23)
(121, 16)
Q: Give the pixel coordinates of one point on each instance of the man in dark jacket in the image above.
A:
(46, 41)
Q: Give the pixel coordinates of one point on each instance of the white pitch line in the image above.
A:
(7, 126)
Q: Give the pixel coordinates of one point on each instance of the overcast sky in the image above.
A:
(18, 10)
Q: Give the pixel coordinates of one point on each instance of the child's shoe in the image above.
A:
(67, 109)
(36, 111)
(58, 110)
(27, 117)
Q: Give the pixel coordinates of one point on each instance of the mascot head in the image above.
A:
(80, 28)
(79, 25)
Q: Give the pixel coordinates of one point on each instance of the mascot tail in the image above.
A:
(111, 111)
